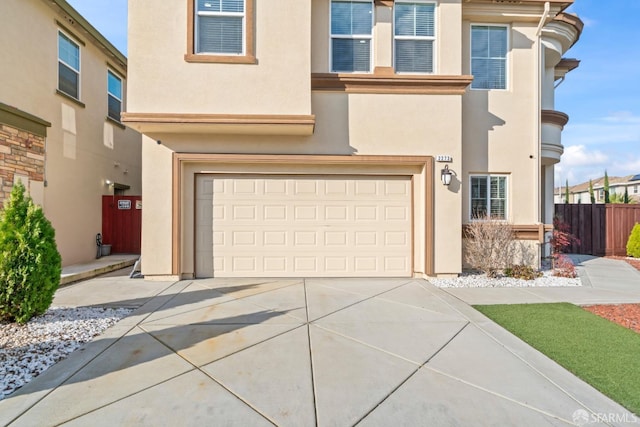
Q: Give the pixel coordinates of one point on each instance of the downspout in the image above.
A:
(538, 161)
(545, 15)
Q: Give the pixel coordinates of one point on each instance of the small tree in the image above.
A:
(566, 191)
(30, 264)
(606, 188)
(562, 240)
(626, 199)
(592, 196)
(633, 244)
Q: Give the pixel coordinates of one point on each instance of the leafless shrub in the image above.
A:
(491, 246)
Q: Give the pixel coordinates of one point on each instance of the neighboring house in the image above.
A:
(308, 137)
(62, 91)
(617, 185)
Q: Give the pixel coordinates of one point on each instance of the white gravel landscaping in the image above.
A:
(28, 350)
(476, 280)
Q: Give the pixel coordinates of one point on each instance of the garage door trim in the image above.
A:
(422, 166)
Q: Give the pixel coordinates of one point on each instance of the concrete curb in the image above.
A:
(66, 279)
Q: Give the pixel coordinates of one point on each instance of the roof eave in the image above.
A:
(76, 20)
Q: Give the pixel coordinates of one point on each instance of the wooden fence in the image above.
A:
(602, 229)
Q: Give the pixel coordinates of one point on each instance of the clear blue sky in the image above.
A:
(602, 96)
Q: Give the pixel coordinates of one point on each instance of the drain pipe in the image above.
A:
(545, 15)
(541, 212)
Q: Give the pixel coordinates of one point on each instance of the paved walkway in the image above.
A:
(604, 281)
(325, 352)
(105, 264)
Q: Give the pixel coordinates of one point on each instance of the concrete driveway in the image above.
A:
(325, 352)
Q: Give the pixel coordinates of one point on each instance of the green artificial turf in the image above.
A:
(602, 353)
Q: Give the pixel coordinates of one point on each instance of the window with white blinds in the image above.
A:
(489, 45)
(351, 34)
(488, 197)
(68, 66)
(414, 37)
(220, 27)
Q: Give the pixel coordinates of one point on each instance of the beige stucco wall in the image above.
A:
(277, 84)
(79, 155)
(346, 124)
(500, 127)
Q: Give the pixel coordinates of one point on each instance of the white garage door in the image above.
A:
(303, 226)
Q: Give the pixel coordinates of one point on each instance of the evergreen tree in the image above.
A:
(30, 263)
(606, 188)
(592, 196)
(626, 199)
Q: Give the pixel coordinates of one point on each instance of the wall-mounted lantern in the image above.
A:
(445, 175)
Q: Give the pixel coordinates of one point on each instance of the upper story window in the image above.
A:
(351, 34)
(114, 96)
(221, 31)
(220, 27)
(489, 197)
(68, 66)
(489, 48)
(414, 36)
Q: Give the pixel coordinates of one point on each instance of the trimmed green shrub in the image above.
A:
(30, 264)
(633, 244)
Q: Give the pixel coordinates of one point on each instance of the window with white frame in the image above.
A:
(68, 66)
(220, 27)
(351, 34)
(635, 189)
(601, 194)
(414, 36)
(488, 197)
(114, 96)
(489, 46)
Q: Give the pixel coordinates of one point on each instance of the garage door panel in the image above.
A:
(303, 226)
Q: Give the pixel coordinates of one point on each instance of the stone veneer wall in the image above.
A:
(21, 153)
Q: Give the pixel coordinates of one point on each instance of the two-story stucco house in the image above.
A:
(312, 137)
(62, 89)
